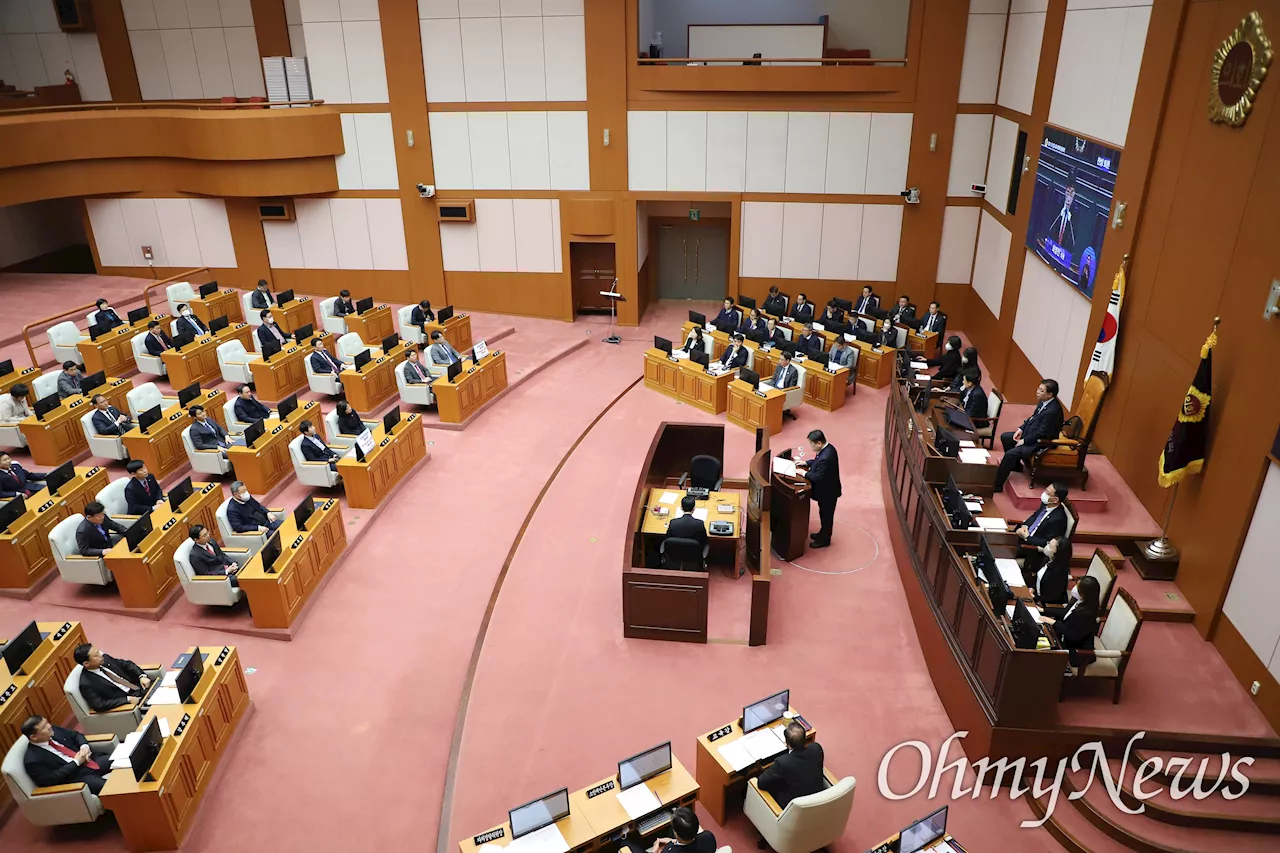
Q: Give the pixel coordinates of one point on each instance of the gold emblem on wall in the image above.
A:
(1239, 67)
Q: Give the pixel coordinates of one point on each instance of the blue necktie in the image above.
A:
(1040, 515)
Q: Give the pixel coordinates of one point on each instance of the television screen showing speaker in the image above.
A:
(1071, 205)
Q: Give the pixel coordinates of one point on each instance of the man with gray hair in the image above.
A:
(246, 515)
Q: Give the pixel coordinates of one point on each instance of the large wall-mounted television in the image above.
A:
(1071, 205)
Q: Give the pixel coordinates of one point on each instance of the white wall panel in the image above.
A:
(534, 235)
(8, 70)
(366, 67)
(530, 156)
(568, 150)
(377, 150)
(761, 253)
(55, 52)
(139, 14)
(143, 225)
(1097, 98)
(647, 150)
(327, 61)
(25, 50)
(1051, 325)
(358, 10)
(482, 59)
(459, 247)
(450, 150)
(881, 234)
(246, 64)
(109, 233)
(557, 252)
(990, 262)
(1021, 61)
(348, 162)
(1017, 6)
(1004, 144)
(292, 13)
(980, 70)
(202, 14)
(211, 60)
(969, 151)
(43, 17)
(320, 10)
(959, 238)
(490, 162)
(566, 58)
(807, 153)
(726, 151)
(801, 239)
(442, 59)
(1254, 595)
(351, 233)
(522, 59)
(386, 233)
(437, 9)
(315, 231)
(235, 13)
(841, 241)
(848, 142)
(284, 246)
(148, 61)
(91, 74)
(178, 229)
(180, 60)
(511, 8)
(479, 8)
(496, 234)
(888, 153)
(687, 151)
(766, 152)
(172, 14)
(297, 41)
(213, 231)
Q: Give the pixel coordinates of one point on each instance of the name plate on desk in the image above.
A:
(93, 471)
(45, 506)
(186, 718)
(277, 429)
(719, 733)
(9, 691)
(222, 656)
(602, 788)
(491, 835)
(887, 847)
(384, 442)
(170, 523)
(297, 542)
(66, 626)
(208, 488)
(175, 416)
(327, 504)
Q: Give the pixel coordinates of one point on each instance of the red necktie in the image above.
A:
(71, 753)
(209, 548)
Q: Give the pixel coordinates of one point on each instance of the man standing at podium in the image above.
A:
(823, 474)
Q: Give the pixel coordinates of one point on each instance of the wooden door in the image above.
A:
(593, 268)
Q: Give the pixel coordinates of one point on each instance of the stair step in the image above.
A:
(1073, 830)
(1160, 600)
(1264, 773)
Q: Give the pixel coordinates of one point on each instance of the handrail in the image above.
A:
(182, 276)
(688, 61)
(151, 105)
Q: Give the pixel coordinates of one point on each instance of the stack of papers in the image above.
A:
(973, 506)
(1035, 612)
(785, 467)
(121, 754)
(667, 498)
(967, 443)
(166, 696)
(760, 745)
(549, 839)
(170, 678)
(1010, 572)
(919, 365)
(971, 456)
(737, 754)
(700, 513)
(637, 801)
(992, 523)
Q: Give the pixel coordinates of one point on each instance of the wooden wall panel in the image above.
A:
(382, 285)
(117, 52)
(249, 242)
(588, 217)
(271, 27)
(607, 58)
(524, 294)
(1248, 668)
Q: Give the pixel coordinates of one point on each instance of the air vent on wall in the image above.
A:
(74, 16)
(455, 210)
(276, 209)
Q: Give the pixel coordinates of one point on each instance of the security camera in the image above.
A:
(980, 189)
(911, 195)
(426, 191)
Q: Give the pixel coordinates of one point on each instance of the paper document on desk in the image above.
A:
(1035, 611)
(785, 467)
(120, 755)
(164, 727)
(737, 754)
(166, 696)
(973, 506)
(967, 443)
(668, 498)
(974, 457)
(923, 377)
(549, 839)
(920, 365)
(942, 847)
(638, 801)
(992, 523)
(725, 509)
(170, 678)
(764, 743)
(700, 513)
(1010, 572)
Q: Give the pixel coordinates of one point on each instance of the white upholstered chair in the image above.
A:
(73, 567)
(251, 314)
(11, 436)
(336, 438)
(107, 446)
(234, 424)
(250, 542)
(795, 396)
(415, 395)
(348, 346)
(333, 324)
(112, 497)
(145, 397)
(1113, 646)
(53, 806)
(807, 823)
(179, 293)
(408, 331)
(213, 590)
(322, 383)
(147, 363)
(1103, 571)
(204, 461)
(44, 385)
(310, 473)
(119, 721)
(233, 361)
(63, 338)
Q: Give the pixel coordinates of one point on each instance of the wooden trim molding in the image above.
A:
(271, 27)
(117, 51)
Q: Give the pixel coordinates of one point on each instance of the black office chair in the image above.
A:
(683, 555)
(704, 473)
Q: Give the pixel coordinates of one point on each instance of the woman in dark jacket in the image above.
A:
(349, 422)
(948, 363)
(968, 359)
(1079, 624)
(1050, 583)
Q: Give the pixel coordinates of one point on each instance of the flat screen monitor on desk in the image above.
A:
(390, 419)
(285, 296)
(269, 348)
(922, 398)
(362, 358)
(6, 367)
(217, 324)
(636, 769)
(923, 832)
(138, 531)
(1025, 629)
(390, 342)
(12, 511)
(189, 677)
(186, 395)
(145, 751)
(364, 305)
(46, 405)
(287, 406)
(697, 319)
(179, 493)
(303, 332)
(181, 340)
(445, 315)
(749, 376)
(139, 314)
(253, 432)
(819, 358)
(303, 511)
(21, 647)
(148, 418)
(946, 442)
(662, 343)
(91, 383)
(208, 288)
(59, 477)
(540, 813)
(760, 714)
(270, 553)
(951, 497)
(996, 587)
(844, 305)
(97, 330)
(698, 356)
(454, 371)
(747, 302)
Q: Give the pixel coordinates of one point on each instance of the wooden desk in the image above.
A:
(875, 368)
(376, 382)
(25, 556)
(146, 577)
(687, 381)
(59, 436)
(161, 448)
(368, 482)
(224, 303)
(267, 463)
(751, 411)
(295, 314)
(39, 692)
(721, 787)
(198, 360)
(276, 598)
(25, 375)
(925, 343)
(373, 326)
(723, 549)
(825, 390)
(476, 385)
(286, 373)
(457, 331)
(113, 352)
(157, 815)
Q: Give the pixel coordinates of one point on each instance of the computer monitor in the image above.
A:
(284, 296)
(270, 348)
(303, 511)
(390, 342)
(59, 477)
(138, 531)
(454, 371)
(181, 339)
(91, 383)
(186, 395)
(139, 314)
(996, 587)
(698, 356)
(180, 493)
(270, 553)
(819, 358)
(21, 647)
(148, 418)
(98, 329)
(540, 813)
(636, 769)
(444, 315)
(254, 431)
(923, 832)
(46, 405)
(362, 358)
(946, 442)
(145, 751)
(303, 332)
(208, 288)
(845, 305)
(1023, 627)
(217, 324)
(390, 419)
(747, 302)
(697, 319)
(951, 496)
(749, 376)
(6, 367)
(985, 555)
(662, 343)
(12, 511)
(903, 360)
(922, 399)
(287, 406)
(189, 677)
(760, 714)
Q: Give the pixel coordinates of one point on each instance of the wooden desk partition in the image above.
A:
(60, 436)
(161, 447)
(286, 372)
(368, 482)
(267, 463)
(40, 690)
(373, 326)
(113, 352)
(721, 788)
(157, 813)
(295, 314)
(375, 384)
(277, 597)
(751, 411)
(24, 375)
(824, 390)
(686, 381)
(924, 343)
(146, 577)
(461, 398)
(875, 368)
(25, 554)
(457, 331)
(223, 303)
(198, 360)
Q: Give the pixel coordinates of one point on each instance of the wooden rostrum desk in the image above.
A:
(721, 787)
(688, 382)
(113, 352)
(392, 457)
(373, 326)
(161, 446)
(198, 360)
(375, 383)
(461, 398)
(267, 463)
(25, 554)
(277, 597)
(286, 373)
(146, 577)
(60, 436)
(294, 314)
(220, 303)
(823, 390)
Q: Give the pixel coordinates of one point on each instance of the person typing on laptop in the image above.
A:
(689, 836)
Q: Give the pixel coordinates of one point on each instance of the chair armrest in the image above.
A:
(830, 777)
(275, 509)
(1107, 653)
(70, 787)
(126, 517)
(1061, 442)
(104, 738)
(309, 462)
(209, 577)
(150, 667)
(128, 706)
(81, 557)
(684, 478)
(767, 797)
(235, 550)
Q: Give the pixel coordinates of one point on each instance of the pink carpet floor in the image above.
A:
(351, 739)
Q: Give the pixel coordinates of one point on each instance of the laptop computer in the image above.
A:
(958, 418)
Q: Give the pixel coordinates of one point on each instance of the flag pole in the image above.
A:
(1162, 548)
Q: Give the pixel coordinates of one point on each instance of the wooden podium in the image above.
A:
(25, 375)
(456, 330)
(267, 463)
(25, 556)
(161, 448)
(375, 383)
(59, 436)
(392, 457)
(295, 314)
(198, 360)
(373, 326)
(277, 597)
(476, 385)
(789, 500)
(224, 303)
(286, 373)
(146, 577)
(750, 411)
(113, 352)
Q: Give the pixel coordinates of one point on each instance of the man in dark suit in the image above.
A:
(142, 493)
(832, 317)
(262, 297)
(753, 326)
(823, 474)
(321, 360)
(269, 332)
(868, 303)
(972, 398)
(247, 407)
(797, 772)
(729, 318)
(1045, 422)
(414, 372)
(734, 355)
(69, 380)
(422, 314)
(246, 515)
(344, 306)
(189, 323)
(314, 449)
(811, 342)
(107, 419)
(802, 311)
(208, 434)
(156, 341)
(775, 303)
(207, 557)
(97, 533)
(58, 756)
(107, 682)
(934, 321)
(772, 334)
(16, 480)
(903, 312)
(106, 316)
(686, 526)
(785, 374)
(1047, 523)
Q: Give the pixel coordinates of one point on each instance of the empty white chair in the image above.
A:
(416, 395)
(807, 823)
(349, 346)
(334, 325)
(44, 385)
(53, 806)
(251, 542)
(322, 383)
(11, 436)
(73, 567)
(204, 461)
(233, 361)
(112, 497)
(145, 397)
(213, 590)
(63, 337)
(310, 473)
(179, 293)
(253, 315)
(147, 363)
(108, 446)
(119, 721)
(408, 331)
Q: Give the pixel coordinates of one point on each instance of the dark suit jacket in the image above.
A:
(803, 313)
(142, 495)
(775, 305)
(811, 344)
(90, 542)
(975, 404)
(1046, 424)
(47, 769)
(688, 527)
(418, 318)
(778, 339)
(154, 346)
(867, 304)
(1052, 526)
(311, 453)
(948, 364)
(1077, 628)
(754, 332)
(939, 324)
(734, 360)
(905, 316)
(108, 318)
(350, 424)
(824, 474)
(105, 422)
(828, 320)
(794, 774)
(17, 481)
(1052, 588)
(208, 435)
(250, 410)
(320, 364)
(262, 300)
(785, 376)
(98, 690)
(342, 308)
(246, 517)
(727, 320)
(265, 335)
(192, 325)
(204, 563)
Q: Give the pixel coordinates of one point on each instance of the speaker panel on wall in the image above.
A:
(276, 209)
(74, 16)
(455, 210)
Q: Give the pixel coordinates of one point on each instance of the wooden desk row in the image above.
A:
(113, 352)
(393, 456)
(286, 373)
(266, 464)
(822, 390)
(14, 377)
(373, 326)
(145, 578)
(221, 303)
(456, 330)
(197, 362)
(25, 554)
(367, 389)
(689, 383)
(295, 314)
(277, 597)
(459, 399)
(161, 446)
(60, 436)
